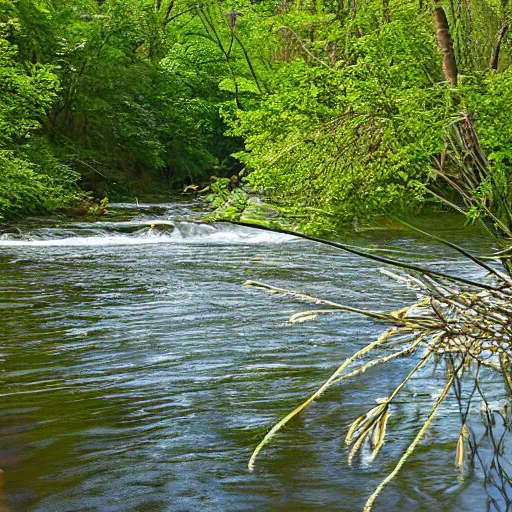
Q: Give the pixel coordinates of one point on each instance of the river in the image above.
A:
(137, 373)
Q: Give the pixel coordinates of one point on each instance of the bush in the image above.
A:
(26, 187)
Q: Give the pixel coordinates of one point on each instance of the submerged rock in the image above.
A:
(7, 232)
(163, 226)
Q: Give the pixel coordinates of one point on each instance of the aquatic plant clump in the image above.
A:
(466, 326)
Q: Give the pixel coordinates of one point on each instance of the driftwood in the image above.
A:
(134, 226)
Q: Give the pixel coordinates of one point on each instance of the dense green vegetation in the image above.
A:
(127, 95)
(355, 126)
(331, 110)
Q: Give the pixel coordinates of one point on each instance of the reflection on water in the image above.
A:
(138, 374)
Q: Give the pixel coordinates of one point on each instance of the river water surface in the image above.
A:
(137, 373)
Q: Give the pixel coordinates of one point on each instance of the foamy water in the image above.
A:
(184, 233)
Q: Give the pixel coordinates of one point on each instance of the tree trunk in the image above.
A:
(496, 53)
(385, 10)
(444, 43)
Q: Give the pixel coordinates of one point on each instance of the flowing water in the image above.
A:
(137, 373)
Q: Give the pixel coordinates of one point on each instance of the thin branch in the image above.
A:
(302, 406)
(410, 449)
(365, 254)
(304, 47)
(464, 252)
(310, 298)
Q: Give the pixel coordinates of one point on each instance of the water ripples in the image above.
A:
(138, 374)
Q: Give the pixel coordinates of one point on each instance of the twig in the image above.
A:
(410, 449)
(360, 252)
(310, 298)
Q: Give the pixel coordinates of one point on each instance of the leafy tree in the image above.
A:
(27, 92)
(359, 107)
(335, 109)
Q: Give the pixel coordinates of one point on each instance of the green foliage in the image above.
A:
(358, 112)
(25, 95)
(31, 179)
(489, 97)
(26, 188)
(141, 96)
(336, 110)
(128, 93)
(227, 203)
(356, 139)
